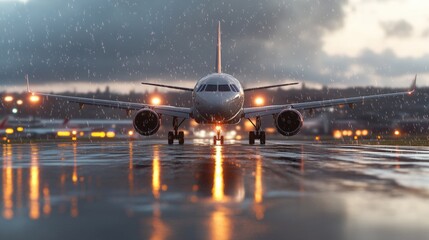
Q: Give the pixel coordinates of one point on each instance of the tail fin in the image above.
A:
(218, 51)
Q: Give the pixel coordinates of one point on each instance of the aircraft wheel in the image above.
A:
(262, 137)
(181, 138)
(214, 140)
(251, 138)
(170, 138)
(221, 140)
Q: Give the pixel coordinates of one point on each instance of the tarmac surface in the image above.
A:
(151, 190)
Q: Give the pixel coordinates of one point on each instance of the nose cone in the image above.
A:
(218, 107)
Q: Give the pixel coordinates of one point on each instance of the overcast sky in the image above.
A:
(82, 45)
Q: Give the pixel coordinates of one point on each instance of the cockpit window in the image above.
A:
(234, 88)
(200, 88)
(211, 88)
(224, 88)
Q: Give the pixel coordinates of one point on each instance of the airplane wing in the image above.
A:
(168, 86)
(270, 86)
(180, 112)
(274, 109)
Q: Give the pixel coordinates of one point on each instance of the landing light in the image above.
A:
(397, 133)
(155, 101)
(9, 131)
(218, 128)
(130, 133)
(19, 102)
(19, 129)
(34, 98)
(259, 101)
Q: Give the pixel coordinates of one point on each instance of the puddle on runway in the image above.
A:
(148, 189)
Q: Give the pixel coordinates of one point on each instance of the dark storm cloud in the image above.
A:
(400, 28)
(127, 40)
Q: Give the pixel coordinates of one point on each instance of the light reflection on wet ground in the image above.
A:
(150, 190)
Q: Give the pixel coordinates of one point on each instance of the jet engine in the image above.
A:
(289, 122)
(146, 122)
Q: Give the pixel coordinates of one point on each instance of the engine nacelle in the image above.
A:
(146, 122)
(289, 122)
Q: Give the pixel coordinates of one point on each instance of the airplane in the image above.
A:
(218, 99)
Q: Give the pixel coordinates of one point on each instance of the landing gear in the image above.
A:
(218, 137)
(258, 134)
(179, 135)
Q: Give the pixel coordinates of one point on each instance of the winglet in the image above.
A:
(28, 83)
(413, 86)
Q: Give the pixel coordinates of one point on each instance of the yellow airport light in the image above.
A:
(355, 137)
(364, 132)
(74, 132)
(337, 134)
(259, 101)
(19, 102)
(63, 134)
(155, 100)
(98, 134)
(19, 129)
(110, 134)
(8, 99)
(130, 133)
(9, 131)
(81, 134)
(34, 98)
(345, 133)
(317, 138)
(74, 138)
(397, 133)
(358, 132)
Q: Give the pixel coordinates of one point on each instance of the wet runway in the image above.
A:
(150, 190)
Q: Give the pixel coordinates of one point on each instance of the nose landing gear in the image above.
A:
(257, 134)
(179, 135)
(218, 137)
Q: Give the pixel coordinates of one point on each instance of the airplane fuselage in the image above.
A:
(218, 98)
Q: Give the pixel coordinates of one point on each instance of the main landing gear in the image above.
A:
(218, 137)
(179, 135)
(257, 134)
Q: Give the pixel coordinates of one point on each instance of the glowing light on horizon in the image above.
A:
(8, 99)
